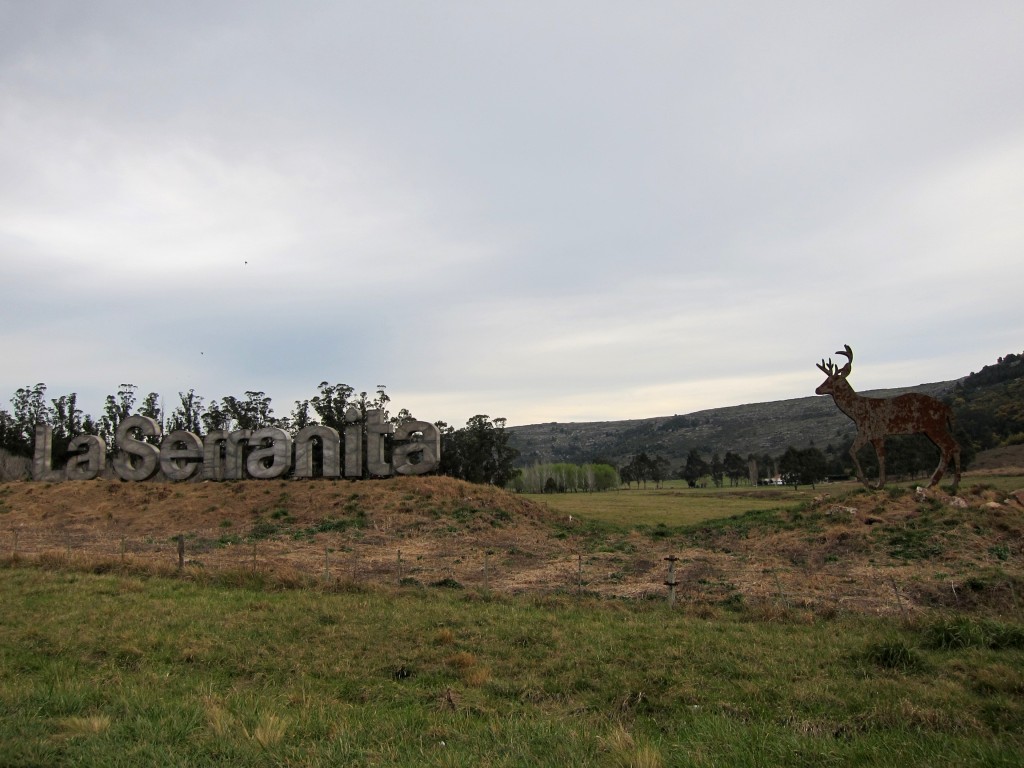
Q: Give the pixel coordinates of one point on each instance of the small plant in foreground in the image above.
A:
(896, 655)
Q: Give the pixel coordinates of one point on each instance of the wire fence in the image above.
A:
(695, 578)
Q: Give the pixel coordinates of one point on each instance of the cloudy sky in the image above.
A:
(544, 211)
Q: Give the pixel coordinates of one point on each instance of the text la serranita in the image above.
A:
(263, 454)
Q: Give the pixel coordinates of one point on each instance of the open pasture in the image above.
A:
(676, 504)
(122, 670)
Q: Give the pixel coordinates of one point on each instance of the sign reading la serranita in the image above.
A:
(262, 454)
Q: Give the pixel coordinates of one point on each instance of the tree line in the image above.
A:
(478, 452)
(909, 456)
(566, 478)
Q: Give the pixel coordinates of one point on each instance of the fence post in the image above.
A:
(399, 566)
(181, 551)
(782, 593)
(671, 583)
(579, 574)
(899, 601)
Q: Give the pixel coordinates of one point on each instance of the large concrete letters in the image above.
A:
(137, 460)
(263, 454)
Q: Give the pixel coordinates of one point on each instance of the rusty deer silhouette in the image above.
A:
(877, 417)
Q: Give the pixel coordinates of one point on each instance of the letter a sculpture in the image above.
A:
(876, 417)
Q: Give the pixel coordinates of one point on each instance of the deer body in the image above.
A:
(878, 417)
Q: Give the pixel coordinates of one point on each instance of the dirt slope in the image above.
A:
(883, 552)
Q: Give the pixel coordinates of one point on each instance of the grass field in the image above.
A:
(673, 505)
(678, 505)
(775, 655)
(120, 670)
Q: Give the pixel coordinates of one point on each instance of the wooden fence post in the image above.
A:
(181, 551)
(899, 601)
(671, 583)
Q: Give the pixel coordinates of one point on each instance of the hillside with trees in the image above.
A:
(756, 429)
(800, 440)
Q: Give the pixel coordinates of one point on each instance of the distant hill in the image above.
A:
(989, 404)
(757, 428)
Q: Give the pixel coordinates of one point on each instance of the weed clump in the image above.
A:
(447, 583)
(961, 632)
(896, 655)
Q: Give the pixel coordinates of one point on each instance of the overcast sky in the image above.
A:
(544, 211)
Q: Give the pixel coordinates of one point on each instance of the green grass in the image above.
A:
(677, 505)
(672, 506)
(121, 670)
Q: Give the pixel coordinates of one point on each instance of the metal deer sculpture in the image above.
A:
(877, 417)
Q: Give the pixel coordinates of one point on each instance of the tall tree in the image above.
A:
(803, 467)
(188, 414)
(67, 417)
(717, 469)
(251, 412)
(215, 417)
(152, 408)
(479, 452)
(301, 417)
(694, 469)
(660, 468)
(30, 408)
(10, 435)
(332, 402)
(116, 409)
(735, 467)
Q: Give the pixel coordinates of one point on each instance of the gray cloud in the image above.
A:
(542, 211)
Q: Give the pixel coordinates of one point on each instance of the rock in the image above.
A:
(957, 502)
(1018, 496)
(921, 494)
(837, 510)
(993, 505)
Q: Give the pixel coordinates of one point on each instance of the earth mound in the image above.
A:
(887, 552)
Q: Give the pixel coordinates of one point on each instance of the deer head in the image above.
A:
(836, 375)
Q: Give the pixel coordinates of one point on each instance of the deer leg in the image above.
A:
(859, 442)
(879, 445)
(949, 449)
(941, 469)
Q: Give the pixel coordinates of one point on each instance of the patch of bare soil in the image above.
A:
(876, 552)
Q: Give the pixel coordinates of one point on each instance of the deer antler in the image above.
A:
(848, 354)
(828, 369)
